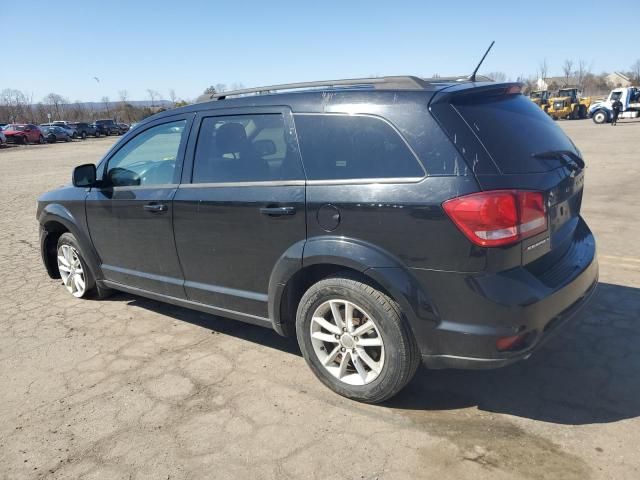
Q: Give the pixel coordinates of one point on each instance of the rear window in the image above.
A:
(512, 128)
(343, 147)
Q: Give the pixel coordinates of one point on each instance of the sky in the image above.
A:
(186, 46)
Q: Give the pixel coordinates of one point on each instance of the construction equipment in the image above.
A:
(602, 112)
(569, 104)
(541, 98)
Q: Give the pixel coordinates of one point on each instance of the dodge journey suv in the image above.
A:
(383, 222)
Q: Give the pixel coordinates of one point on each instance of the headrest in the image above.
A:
(231, 138)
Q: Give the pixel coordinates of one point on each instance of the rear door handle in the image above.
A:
(278, 211)
(156, 207)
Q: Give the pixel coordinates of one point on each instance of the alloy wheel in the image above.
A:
(71, 270)
(347, 342)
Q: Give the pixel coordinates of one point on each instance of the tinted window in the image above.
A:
(348, 147)
(244, 148)
(512, 128)
(148, 158)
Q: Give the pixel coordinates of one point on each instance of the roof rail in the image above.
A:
(381, 83)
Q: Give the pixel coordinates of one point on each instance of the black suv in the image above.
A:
(381, 221)
(85, 129)
(107, 127)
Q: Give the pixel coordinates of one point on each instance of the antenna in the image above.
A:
(472, 77)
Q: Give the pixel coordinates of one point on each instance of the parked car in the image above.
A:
(107, 127)
(56, 133)
(24, 133)
(73, 133)
(404, 219)
(85, 129)
(124, 128)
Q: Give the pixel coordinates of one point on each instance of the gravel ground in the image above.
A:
(131, 388)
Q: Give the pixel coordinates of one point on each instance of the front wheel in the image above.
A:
(355, 339)
(600, 117)
(76, 277)
(41, 139)
(84, 135)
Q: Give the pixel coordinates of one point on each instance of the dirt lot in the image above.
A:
(131, 388)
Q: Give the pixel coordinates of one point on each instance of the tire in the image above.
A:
(396, 358)
(108, 133)
(41, 140)
(25, 140)
(84, 135)
(575, 114)
(582, 113)
(97, 134)
(67, 138)
(74, 135)
(91, 288)
(600, 117)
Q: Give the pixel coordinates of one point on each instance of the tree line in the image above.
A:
(18, 107)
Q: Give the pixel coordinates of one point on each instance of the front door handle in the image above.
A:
(278, 211)
(156, 207)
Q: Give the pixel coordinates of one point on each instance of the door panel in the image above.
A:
(136, 245)
(228, 247)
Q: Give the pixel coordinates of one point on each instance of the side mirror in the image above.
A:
(265, 147)
(84, 175)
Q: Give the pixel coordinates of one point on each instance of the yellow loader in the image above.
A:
(568, 104)
(541, 98)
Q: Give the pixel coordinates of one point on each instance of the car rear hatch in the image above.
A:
(511, 144)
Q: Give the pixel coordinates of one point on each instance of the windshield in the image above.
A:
(536, 94)
(14, 127)
(565, 93)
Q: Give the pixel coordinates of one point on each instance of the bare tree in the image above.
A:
(582, 70)
(153, 95)
(14, 105)
(56, 104)
(567, 69)
(106, 102)
(220, 87)
(543, 70)
(635, 72)
(172, 96)
(210, 90)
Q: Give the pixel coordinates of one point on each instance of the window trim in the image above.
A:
(103, 164)
(290, 134)
(289, 131)
(363, 180)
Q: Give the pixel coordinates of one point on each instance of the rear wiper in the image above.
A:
(560, 155)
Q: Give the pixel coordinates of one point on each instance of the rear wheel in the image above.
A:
(41, 139)
(25, 140)
(67, 138)
(355, 339)
(84, 135)
(600, 117)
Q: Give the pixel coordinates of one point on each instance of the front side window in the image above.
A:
(343, 147)
(244, 148)
(148, 158)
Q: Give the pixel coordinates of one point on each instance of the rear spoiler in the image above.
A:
(470, 90)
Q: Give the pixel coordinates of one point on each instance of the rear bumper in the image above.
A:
(477, 309)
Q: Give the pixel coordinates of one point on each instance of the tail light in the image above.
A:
(500, 217)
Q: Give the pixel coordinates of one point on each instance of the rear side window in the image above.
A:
(245, 148)
(342, 147)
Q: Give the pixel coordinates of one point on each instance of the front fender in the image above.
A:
(55, 213)
(382, 267)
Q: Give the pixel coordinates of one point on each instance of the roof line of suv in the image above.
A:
(403, 82)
